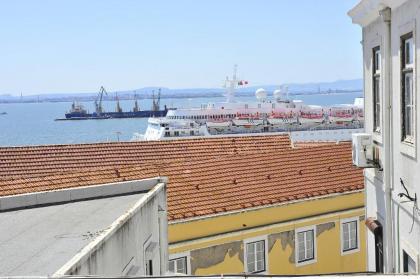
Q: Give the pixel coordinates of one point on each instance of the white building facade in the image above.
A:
(111, 230)
(391, 41)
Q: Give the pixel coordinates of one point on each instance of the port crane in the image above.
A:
(98, 101)
(136, 104)
(156, 103)
(118, 108)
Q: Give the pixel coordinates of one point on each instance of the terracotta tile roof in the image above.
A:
(206, 176)
(32, 161)
(298, 144)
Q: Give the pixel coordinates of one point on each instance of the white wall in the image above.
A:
(405, 162)
(122, 252)
(373, 36)
(405, 19)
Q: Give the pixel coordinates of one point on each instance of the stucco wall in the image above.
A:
(123, 251)
(406, 165)
(223, 252)
(405, 19)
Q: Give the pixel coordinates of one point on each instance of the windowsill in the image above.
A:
(305, 262)
(352, 251)
(408, 148)
(262, 272)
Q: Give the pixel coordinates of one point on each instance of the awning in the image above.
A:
(373, 224)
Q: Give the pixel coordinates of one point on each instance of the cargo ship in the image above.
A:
(78, 112)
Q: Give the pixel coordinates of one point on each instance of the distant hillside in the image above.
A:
(339, 86)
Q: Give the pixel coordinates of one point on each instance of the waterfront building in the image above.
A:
(239, 204)
(109, 229)
(390, 62)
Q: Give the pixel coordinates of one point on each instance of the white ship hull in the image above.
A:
(261, 116)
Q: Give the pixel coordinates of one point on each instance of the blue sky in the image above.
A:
(50, 46)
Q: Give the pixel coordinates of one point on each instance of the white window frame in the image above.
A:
(408, 69)
(342, 222)
(374, 42)
(186, 255)
(251, 240)
(406, 147)
(297, 231)
(377, 89)
(412, 253)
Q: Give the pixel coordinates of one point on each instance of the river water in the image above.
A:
(33, 123)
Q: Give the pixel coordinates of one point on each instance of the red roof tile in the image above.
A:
(206, 176)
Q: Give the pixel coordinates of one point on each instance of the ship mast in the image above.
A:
(230, 85)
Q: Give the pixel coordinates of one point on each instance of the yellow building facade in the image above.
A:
(309, 236)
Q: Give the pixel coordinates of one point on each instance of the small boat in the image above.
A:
(312, 115)
(218, 127)
(247, 121)
(283, 118)
(341, 114)
(3, 113)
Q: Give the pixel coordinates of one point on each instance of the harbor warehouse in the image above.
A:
(238, 204)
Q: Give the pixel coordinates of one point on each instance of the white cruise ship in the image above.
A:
(280, 114)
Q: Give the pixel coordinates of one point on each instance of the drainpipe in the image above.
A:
(387, 132)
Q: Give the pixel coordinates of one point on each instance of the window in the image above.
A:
(305, 246)
(349, 236)
(255, 256)
(176, 133)
(178, 265)
(407, 94)
(149, 267)
(409, 265)
(376, 89)
(167, 134)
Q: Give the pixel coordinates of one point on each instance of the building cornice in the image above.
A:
(367, 11)
(256, 208)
